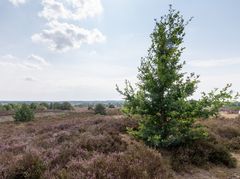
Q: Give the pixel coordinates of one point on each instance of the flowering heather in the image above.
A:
(75, 145)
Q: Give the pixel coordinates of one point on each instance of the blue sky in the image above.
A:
(80, 49)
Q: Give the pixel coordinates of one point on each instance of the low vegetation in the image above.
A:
(78, 145)
(162, 119)
(24, 114)
(29, 167)
(100, 109)
(85, 145)
(201, 153)
(35, 106)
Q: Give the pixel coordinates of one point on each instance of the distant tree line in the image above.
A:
(233, 106)
(37, 106)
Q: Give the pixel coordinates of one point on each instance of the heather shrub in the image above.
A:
(63, 174)
(100, 109)
(104, 143)
(225, 131)
(200, 153)
(114, 111)
(234, 143)
(136, 162)
(24, 114)
(29, 167)
(229, 132)
(90, 107)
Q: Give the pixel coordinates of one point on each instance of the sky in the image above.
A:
(80, 49)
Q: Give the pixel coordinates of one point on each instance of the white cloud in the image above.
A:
(31, 62)
(214, 63)
(70, 9)
(30, 79)
(64, 36)
(17, 2)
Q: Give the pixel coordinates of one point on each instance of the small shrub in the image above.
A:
(41, 108)
(90, 107)
(30, 167)
(60, 106)
(103, 143)
(220, 155)
(66, 106)
(233, 144)
(33, 106)
(229, 132)
(24, 114)
(111, 106)
(46, 105)
(63, 174)
(199, 154)
(136, 162)
(100, 109)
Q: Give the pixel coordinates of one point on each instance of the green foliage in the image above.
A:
(61, 106)
(33, 106)
(235, 106)
(100, 109)
(24, 114)
(44, 104)
(111, 106)
(163, 93)
(9, 107)
(66, 106)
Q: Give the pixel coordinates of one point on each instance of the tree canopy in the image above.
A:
(163, 94)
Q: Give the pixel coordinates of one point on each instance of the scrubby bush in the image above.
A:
(200, 153)
(225, 131)
(66, 106)
(90, 107)
(46, 105)
(9, 107)
(104, 143)
(136, 162)
(111, 106)
(24, 114)
(61, 106)
(41, 108)
(33, 106)
(30, 167)
(100, 109)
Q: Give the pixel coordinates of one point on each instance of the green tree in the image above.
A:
(111, 105)
(33, 106)
(24, 114)
(162, 95)
(100, 109)
(44, 104)
(66, 106)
